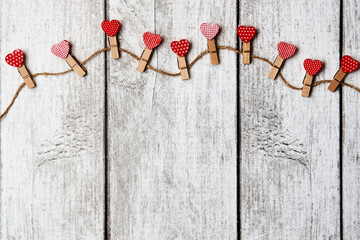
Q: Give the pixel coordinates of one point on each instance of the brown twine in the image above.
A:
(167, 73)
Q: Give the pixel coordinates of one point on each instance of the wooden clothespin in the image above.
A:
(312, 67)
(285, 51)
(246, 34)
(151, 41)
(111, 28)
(180, 48)
(347, 65)
(210, 31)
(61, 50)
(16, 59)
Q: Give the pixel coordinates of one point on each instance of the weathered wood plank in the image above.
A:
(52, 169)
(172, 145)
(351, 125)
(290, 144)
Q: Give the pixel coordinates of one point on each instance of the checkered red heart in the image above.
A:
(312, 67)
(180, 47)
(348, 64)
(151, 40)
(209, 30)
(286, 50)
(61, 49)
(110, 28)
(15, 59)
(246, 33)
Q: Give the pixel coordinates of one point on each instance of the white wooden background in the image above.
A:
(228, 154)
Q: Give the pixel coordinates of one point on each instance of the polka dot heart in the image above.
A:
(209, 30)
(348, 64)
(180, 47)
(110, 28)
(15, 59)
(61, 49)
(151, 40)
(246, 33)
(286, 50)
(312, 67)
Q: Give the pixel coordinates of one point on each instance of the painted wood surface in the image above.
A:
(52, 158)
(351, 126)
(227, 154)
(290, 144)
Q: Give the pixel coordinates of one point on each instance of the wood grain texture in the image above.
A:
(290, 144)
(172, 143)
(351, 125)
(52, 170)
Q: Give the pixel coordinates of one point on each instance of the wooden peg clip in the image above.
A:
(183, 68)
(276, 67)
(114, 46)
(246, 52)
(26, 76)
(145, 56)
(213, 52)
(307, 82)
(338, 78)
(81, 71)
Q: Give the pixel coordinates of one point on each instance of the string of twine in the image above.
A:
(167, 73)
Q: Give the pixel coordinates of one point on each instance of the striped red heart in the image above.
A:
(61, 49)
(110, 28)
(151, 40)
(15, 59)
(180, 47)
(312, 67)
(286, 50)
(348, 64)
(246, 33)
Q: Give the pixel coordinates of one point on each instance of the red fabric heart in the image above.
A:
(180, 47)
(15, 59)
(246, 33)
(61, 49)
(110, 28)
(312, 67)
(151, 40)
(209, 30)
(286, 50)
(348, 64)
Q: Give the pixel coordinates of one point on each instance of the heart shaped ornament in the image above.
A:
(209, 30)
(312, 67)
(61, 49)
(15, 58)
(246, 33)
(348, 64)
(110, 28)
(180, 47)
(286, 50)
(151, 40)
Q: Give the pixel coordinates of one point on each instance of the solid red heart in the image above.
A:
(312, 67)
(180, 47)
(246, 33)
(15, 59)
(61, 49)
(110, 28)
(209, 30)
(151, 40)
(348, 64)
(286, 50)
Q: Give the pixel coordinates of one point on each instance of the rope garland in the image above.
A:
(203, 53)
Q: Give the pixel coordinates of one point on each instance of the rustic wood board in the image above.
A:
(52, 169)
(351, 125)
(172, 143)
(290, 144)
